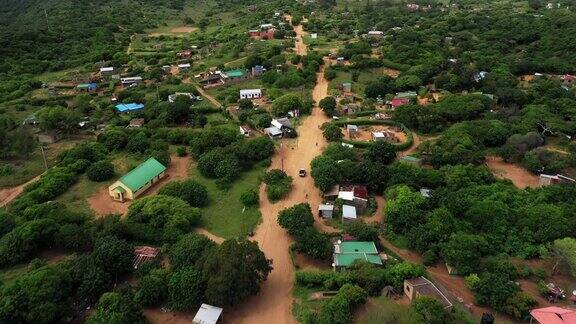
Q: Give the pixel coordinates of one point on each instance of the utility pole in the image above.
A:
(46, 16)
(44, 157)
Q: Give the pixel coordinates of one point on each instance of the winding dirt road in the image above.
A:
(273, 303)
(9, 194)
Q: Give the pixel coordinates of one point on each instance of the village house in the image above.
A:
(172, 97)
(284, 125)
(135, 182)
(183, 67)
(166, 68)
(417, 287)
(375, 33)
(130, 81)
(352, 130)
(184, 54)
(553, 315)
(257, 70)
(273, 132)
(213, 78)
(326, 211)
(354, 195)
(345, 253)
(136, 123)
(548, 179)
(398, 102)
(378, 137)
(348, 214)
(129, 107)
(208, 314)
(49, 137)
(347, 87)
(107, 71)
(245, 131)
(87, 87)
(250, 93)
(235, 75)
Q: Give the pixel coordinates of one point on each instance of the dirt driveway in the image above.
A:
(102, 204)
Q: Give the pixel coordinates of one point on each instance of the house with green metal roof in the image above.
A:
(347, 252)
(234, 75)
(135, 182)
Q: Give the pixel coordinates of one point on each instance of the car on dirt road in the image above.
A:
(302, 173)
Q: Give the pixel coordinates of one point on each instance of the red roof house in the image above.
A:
(397, 102)
(568, 78)
(554, 315)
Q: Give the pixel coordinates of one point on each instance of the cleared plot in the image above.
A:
(519, 176)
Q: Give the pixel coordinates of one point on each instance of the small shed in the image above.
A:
(143, 254)
(348, 214)
(208, 314)
(378, 136)
(326, 211)
(273, 132)
(352, 130)
(347, 87)
(245, 131)
(87, 87)
(183, 67)
(107, 71)
(258, 70)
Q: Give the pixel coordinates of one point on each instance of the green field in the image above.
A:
(225, 215)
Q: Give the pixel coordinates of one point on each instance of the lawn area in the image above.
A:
(225, 215)
(385, 310)
(365, 77)
(75, 197)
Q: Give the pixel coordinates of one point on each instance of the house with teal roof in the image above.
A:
(135, 182)
(347, 252)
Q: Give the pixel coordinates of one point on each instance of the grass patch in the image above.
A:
(12, 273)
(384, 310)
(225, 215)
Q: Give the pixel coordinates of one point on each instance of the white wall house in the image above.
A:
(250, 93)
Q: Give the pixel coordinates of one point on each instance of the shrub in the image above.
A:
(100, 171)
(296, 218)
(340, 309)
(250, 198)
(181, 151)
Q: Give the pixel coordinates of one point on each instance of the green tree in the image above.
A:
(186, 289)
(58, 118)
(328, 105)
(463, 251)
(404, 209)
(565, 250)
(325, 172)
(138, 143)
(117, 308)
(191, 191)
(153, 288)
(190, 250)
(100, 171)
(332, 132)
(431, 310)
(296, 219)
(113, 255)
(286, 103)
(234, 271)
(380, 152)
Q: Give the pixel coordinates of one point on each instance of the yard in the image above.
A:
(365, 77)
(225, 216)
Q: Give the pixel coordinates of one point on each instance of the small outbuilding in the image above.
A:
(352, 130)
(208, 314)
(411, 160)
(417, 287)
(273, 132)
(326, 211)
(126, 82)
(143, 254)
(245, 131)
(378, 137)
(345, 253)
(183, 67)
(136, 123)
(348, 214)
(135, 182)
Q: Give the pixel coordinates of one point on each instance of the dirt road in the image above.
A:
(273, 303)
(412, 148)
(203, 93)
(9, 194)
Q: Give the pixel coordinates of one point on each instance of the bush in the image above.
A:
(296, 219)
(250, 198)
(153, 288)
(100, 171)
(340, 309)
(181, 151)
(429, 258)
(186, 289)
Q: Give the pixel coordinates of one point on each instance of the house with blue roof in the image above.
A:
(129, 107)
